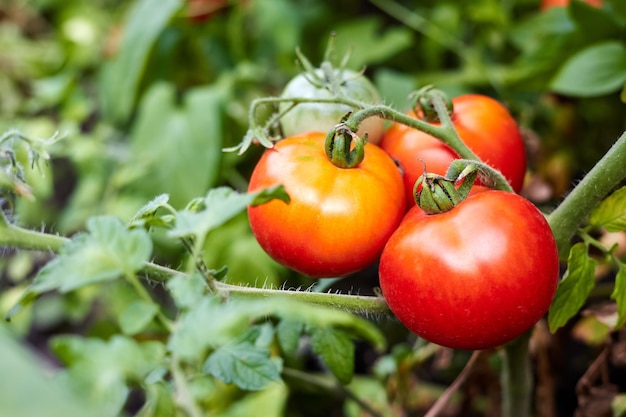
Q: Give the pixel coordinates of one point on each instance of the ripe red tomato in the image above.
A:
(474, 277)
(338, 220)
(547, 4)
(483, 124)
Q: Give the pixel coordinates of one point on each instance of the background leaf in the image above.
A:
(137, 316)
(611, 213)
(220, 205)
(107, 251)
(175, 149)
(336, 350)
(619, 295)
(29, 389)
(574, 288)
(246, 365)
(122, 76)
(596, 70)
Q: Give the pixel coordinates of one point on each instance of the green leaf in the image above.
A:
(210, 324)
(393, 86)
(121, 78)
(596, 23)
(371, 391)
(611, 213)
(107, 251)
(619, 295)
(28, 388)
(147, 217)
(187, 290)
(619, 9)
(596, 70)
(271, 400)
(159, 402)
(382, 44)
(245, 365)
(574, 288)
(175, 147)
(137, 316)
(101, 370)
(213, 323)
(618, 405)
(220, 205)
(336, 350)
(288, 333)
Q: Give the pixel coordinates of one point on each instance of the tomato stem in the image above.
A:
(516, 378)
(445, 132)
(17, 237)
(592, 189)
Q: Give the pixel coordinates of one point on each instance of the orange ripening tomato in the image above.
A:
(338, 219)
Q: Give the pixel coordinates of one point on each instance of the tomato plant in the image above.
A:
(326, 83)
(338, 219)
(483, 124)
(474, 277)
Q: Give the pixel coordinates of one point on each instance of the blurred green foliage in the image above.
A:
(147, 96)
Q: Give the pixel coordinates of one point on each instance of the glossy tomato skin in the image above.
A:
(338, 220)
(474, 277)
(321, 117)
(483, 124)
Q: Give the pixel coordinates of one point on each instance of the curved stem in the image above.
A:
(596, 185)
(15, 236)
(444, 132)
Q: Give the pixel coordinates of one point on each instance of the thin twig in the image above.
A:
(333, 386)
(443, 400)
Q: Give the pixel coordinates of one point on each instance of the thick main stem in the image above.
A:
(516, 378)
(594, 187)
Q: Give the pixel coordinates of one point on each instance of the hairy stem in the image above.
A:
(444, 132)
(594, 187)
(15, 236)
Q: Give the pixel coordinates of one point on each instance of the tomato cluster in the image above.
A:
(482, 123)
(473, 276)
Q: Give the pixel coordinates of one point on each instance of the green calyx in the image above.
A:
(436, 194)
(344, 148)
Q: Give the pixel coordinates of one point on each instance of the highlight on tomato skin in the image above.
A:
(474, 277)
(338, 220)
